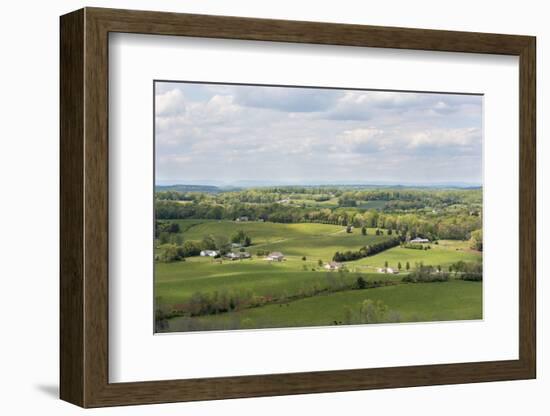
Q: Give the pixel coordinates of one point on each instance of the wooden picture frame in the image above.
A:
(84, 207)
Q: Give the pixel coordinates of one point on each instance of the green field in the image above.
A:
(441, 254)
(177, 282)
(455, 300)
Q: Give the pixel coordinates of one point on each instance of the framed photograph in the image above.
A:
(255, 207)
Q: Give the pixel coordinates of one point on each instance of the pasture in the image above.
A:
(454, 300)
(176, 282)
(442, 254)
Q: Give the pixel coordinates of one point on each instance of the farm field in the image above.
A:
(178, 282)
(455, 300)
(444, 253)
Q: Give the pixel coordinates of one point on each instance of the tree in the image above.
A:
(348, 229)
(172, 252)
(320, 262)
(372, 312)
(174, 227)
(164, 238)
(386, 264)
(390, 232)
(241, 238)
(364, 230)
(361, 283)
(191, 248)
(222, 243)
(209, 243)
(399, 266)
(304, 258)
(407, 266)
(476, 240)
(348, 316)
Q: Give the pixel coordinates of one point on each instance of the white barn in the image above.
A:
(275, 256)
(418, 240)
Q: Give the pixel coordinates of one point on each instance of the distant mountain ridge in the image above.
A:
(218, 189)
(189, 188)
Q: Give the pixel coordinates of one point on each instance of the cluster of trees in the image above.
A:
(476, 240)
(361, 283)
(177, 252)
(443, 225)
(426, 274)
(219, 302)
(415, 246)
(168, 232)
(175, 196)
(366, 250)
(241, 238)
(344, 201)
(171, 252)
(450, 213)
(369, 312)
(430, 197)
(467, 271)
(172, 247)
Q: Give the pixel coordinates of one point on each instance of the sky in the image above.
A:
(219, 134)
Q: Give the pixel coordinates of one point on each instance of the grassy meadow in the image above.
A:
(457, 300)
(300, 291)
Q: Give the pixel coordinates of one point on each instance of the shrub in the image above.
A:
(426, 274)
(171, 252)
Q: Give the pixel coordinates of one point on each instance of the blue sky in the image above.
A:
(230, 134)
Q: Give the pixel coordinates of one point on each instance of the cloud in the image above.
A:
(298, 100)
(464, 137)
(229, 133)
(363, 140)
(170, 103)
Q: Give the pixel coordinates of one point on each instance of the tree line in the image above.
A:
(366, 251)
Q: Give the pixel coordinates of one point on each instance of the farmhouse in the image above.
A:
(418, 240)
(209, 253)
(387, 270)
(275, 256)
(243, 218)
(237, 256)
(333, 266)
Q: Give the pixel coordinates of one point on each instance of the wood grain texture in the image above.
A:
(84, 207)
(71, 203)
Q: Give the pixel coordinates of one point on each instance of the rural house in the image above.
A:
(237, 256)
(333, 265)
(418, 240)
(387, 270)
(275, 256)
(243, 218)
(209, 253)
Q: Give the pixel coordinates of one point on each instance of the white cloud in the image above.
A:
(462, 137)
(170, 103)
(315, 135)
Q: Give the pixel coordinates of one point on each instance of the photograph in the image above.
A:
(282, 206)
